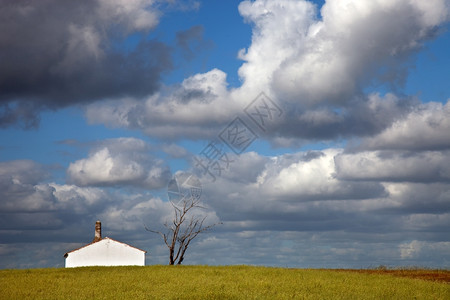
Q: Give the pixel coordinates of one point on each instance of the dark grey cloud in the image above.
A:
(60, 53)
(22, 112)
(20, 188)
(191, 41)
(364, 116)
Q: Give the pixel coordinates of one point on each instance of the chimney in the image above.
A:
(98, 231)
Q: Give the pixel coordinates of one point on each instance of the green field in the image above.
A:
(230, 282)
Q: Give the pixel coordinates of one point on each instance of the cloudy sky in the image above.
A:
(320, 130)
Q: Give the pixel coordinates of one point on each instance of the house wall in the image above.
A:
(105, 253)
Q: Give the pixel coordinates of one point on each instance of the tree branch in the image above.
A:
(180, 234)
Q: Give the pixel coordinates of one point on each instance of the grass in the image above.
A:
(204, 282)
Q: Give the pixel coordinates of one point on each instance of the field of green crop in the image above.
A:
(205, 282)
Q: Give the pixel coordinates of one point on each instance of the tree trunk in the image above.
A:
(171, 252)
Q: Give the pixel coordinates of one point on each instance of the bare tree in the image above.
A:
(184, 227)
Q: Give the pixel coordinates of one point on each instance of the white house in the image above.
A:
(105, 252)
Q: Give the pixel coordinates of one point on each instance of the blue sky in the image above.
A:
(104, 101)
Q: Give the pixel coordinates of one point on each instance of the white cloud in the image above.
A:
(134, 14)
(311, 61)
(410, 250)
(394, 166)
(311, 229)
(123, 161)
(316, 69)
(427, 127)
(301, 180)
(285, 184)
(24, 191)
(312, 191)
(413, 197)
(78, 200)
(279, 31)
(175, 151)
(197, 108)
(135, 211)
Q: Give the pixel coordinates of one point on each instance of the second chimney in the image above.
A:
(98, 231)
